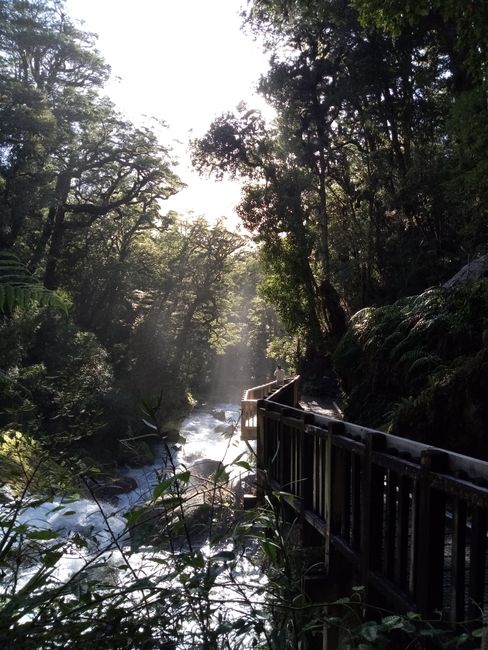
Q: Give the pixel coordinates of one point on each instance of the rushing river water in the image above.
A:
(203, 437)
(209, 436)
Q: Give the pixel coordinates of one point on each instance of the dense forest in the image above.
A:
(370, 187)
(361, 198)
(151, 300)
(367, 187)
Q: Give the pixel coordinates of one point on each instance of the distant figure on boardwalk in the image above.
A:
(279, 375)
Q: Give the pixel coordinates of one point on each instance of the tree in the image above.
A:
(50, 75)
(81, 159)
(181, 301)
(338, 187)
(271, 206)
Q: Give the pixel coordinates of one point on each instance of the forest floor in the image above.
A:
(321, 406)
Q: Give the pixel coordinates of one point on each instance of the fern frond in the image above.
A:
(424, 363)
(19, 288)
(408, 344)
(396, 337)
(410, 357)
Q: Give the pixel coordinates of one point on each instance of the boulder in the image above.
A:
(106, 487)
(223, 428)
(205, 467)
(219, 415)
(477, 268)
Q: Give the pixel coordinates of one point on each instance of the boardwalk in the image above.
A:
(410, 521)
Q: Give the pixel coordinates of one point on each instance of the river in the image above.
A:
(92, 543)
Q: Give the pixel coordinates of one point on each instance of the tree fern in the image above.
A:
(19, 288)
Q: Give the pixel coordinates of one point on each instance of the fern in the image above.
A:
(19, 288)
(408, 344)
(390, 340)
(410, 357)
(424, 363)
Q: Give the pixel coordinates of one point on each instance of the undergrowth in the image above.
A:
(418, 368)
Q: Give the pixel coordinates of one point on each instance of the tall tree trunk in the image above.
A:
(57, 214)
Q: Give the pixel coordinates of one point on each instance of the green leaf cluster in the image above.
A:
(416, 367)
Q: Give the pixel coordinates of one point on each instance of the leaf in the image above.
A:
(221, 474)
(196, 560)
(478, 633)
(392, 622)
(184, 477)
(244, 465)
(79, 541)
(370, 631)
(42, 534)
(18, 286)
(21, 529)
(149, 424)
(163, 486)
(50, 558)
(270, 550)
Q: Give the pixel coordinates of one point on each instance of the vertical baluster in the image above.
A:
(401, 571)
(333, 488)
(458, 560)
(316, 495)
(323, 480)
(274, 441)
(390, 523)
(346, 526)
(262, 460)
(282, 451)
(299, 477)
(307, 464)
(477, 563)
(356, 501)
(292, 442)
(430, 534)
(372, 507)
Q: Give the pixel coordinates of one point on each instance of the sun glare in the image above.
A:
(182, 62)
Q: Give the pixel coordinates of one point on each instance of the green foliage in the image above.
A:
(56, 380)
(460, 27)
(337, 186)
(187, 570)
(417, 366)
(21, 458)
(18, 288)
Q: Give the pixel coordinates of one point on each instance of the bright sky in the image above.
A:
(182, 61)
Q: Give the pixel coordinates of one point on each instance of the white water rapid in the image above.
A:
(95, 545)
(205, 435)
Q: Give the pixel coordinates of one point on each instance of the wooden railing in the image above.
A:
(410, 520)
(285, 394)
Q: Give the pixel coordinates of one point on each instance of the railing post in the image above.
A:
(307, 463)
(334, 490)
(372, 493)
(310, 537)
(261, 461)
(476, 586)
(430, 534)
(458, 581)
(283, 454)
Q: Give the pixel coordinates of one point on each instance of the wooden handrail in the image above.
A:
(410, 520)
(270, 390)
